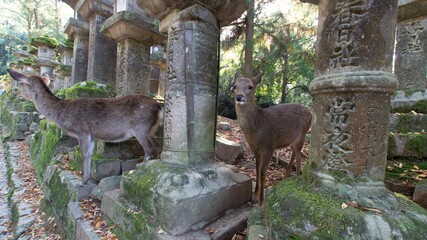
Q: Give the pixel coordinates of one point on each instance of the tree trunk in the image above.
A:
(249, 44)
(285, 71)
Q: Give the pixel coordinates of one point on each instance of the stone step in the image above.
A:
(410, 122)
(407, 145)
(405, 101)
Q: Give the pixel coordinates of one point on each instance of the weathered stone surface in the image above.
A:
(129, 149)
(228, 151)
(411, 53)
(105, 168)
(189, 119)
(106, 184)
(407, 145)
(224, 126)
(84, 231)
(79, 31)
(411, 122)
(102, 51)
(128, 165)
(189, 196)
(225, 11)
(420, 193)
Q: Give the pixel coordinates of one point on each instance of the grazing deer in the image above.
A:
(87, 119)
(267, 129)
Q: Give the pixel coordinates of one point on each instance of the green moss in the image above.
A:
(322, 211)
(404, 123)
(419, 107)
(43, 146)
(87, 89)
(60, 195)
(416, 145)
(69, 43)
(402, 170)
(51, 42)
(392, 147)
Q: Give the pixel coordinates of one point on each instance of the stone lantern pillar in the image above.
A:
(64, 70)
(78, 30)
(341, 194)
(158, 71)
(134, 31)
(186, 189)
(102, 51)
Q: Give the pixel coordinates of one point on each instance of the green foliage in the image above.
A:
(283, 51)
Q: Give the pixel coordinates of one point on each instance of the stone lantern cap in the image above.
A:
(46, 62)
(21, 54)
(44, 41)
(128, 25)
(225, 10)
(75, 26)
(71, 3)
(88, 7)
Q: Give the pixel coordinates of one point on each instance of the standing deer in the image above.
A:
(87, 119)
(267, 129)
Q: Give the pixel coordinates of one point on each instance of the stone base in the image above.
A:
(313, 207)
(407, 145)
(177, 198)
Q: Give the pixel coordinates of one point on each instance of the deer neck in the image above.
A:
(247, 114)
(47, 104)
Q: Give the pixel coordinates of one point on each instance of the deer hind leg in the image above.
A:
(86, 145)
(258, 177)
(142, 135)
(291, 163)
(296, 155)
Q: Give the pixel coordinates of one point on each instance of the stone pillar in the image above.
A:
(411, 46)
(191, 86)
(102, 51)
(134, 32)
(158, 70)
(79, 31)
(352, 88)
(63, 71)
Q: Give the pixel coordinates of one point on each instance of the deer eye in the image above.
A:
(250, 87)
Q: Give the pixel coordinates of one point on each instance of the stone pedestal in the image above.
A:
(134, 35)
(79, 31)
(102, 51)
(341, 193)
(187, 190)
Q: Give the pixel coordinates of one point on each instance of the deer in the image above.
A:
(268, 129)
(109, 119)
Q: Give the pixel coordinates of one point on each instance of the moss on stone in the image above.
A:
(43, 146)
(404, 123)
(391, 147)
(87, 89)
(297, 209)
(419, 107)
(45, 40)
(416, 145)
(59, 196)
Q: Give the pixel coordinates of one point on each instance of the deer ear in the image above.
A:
(257, 78)
(46, 79)
(19, 77)
(237, 75)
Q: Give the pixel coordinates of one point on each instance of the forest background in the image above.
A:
(274, 37)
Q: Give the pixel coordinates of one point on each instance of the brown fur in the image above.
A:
(87, 119)
(268, 129)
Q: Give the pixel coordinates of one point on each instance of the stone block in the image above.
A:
(228, 151)
(129, 149)
(128, 165)
(104, 168)
(224, 126)
(190, 196)
(420, 193)
(106, 184)
(407, 145)
(411, 122)
(84, 231)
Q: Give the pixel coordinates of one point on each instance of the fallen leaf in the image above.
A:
(261, 236)
(210, 230)
(344, 206)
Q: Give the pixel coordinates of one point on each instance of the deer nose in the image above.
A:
(240, 98)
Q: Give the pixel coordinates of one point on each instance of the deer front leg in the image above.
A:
(291, 164)
(258, 177)
(264, 166)
(86, 146)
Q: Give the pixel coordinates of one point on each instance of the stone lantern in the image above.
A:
(186, 189)
(46, 54)
(135, 32)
